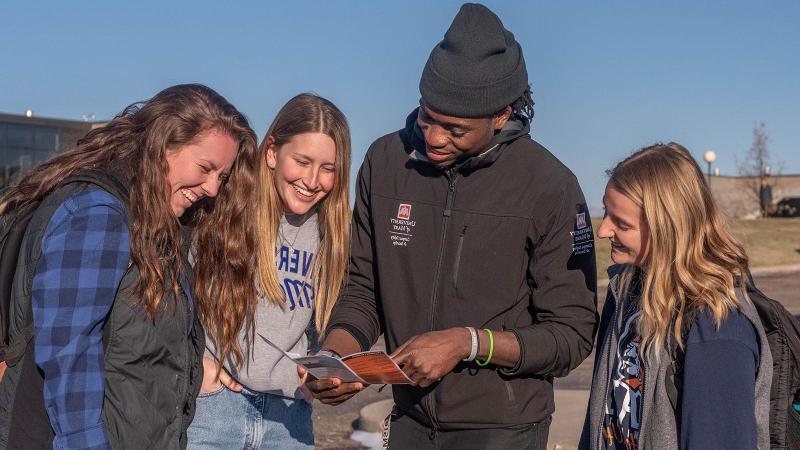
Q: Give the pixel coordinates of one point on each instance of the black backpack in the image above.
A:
(16, 348)
(12, 230)
(783, 335)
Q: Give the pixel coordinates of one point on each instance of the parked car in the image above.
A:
(788, 207)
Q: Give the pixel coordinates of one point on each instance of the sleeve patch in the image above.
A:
(582, 238)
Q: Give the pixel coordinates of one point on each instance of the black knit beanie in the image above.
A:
(477, 70)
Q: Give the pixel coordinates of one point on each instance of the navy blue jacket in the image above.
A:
(719, 384)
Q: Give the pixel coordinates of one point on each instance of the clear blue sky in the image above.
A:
(608, 77)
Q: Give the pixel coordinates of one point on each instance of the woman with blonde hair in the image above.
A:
(676, 289)
(304, 224)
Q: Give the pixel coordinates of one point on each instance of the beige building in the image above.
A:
(738, 196)
(26, 141)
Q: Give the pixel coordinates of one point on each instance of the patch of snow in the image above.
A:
(371, 440)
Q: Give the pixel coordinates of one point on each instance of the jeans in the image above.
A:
(250, 420)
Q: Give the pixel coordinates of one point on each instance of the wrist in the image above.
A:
(466, 345)
(469, 348)
(489, 350)
(483, 343)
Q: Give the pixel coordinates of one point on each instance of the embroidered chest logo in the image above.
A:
(404, 211)
(401, 227)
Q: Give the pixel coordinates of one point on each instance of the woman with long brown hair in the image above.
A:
(303, 223)
(682, 360)
(115, 304)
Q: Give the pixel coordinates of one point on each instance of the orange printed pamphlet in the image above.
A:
(371, 367)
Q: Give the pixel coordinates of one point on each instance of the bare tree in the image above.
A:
(756, 169)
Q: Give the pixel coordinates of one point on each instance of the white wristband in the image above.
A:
(474, 351)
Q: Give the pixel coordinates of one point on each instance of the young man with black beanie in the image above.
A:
(472, 252)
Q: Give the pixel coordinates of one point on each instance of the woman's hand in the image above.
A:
(301, 372)
(211, 382)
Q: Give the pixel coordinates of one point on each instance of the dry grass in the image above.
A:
(769, 242)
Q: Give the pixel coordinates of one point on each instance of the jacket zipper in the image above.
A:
(458, 257)
(609, 360)
(645, 369)
(451, 188)
(186, 369)
(644, 391)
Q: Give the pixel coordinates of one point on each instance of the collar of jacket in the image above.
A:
(514, 128)
(627, 277)
(614, 274)
(115, 177)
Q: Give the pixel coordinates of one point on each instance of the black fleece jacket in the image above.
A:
(502, 240)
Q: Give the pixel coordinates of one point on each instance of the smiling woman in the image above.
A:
(676, 310)
(118, 347)
(624, 225)
(304, 170)
(198, 169)
(304, 223)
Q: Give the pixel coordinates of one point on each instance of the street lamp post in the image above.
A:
(709, 157)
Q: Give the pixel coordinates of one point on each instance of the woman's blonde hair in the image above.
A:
(691, 259)
(308, 113)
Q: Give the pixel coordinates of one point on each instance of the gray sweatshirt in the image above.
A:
(265, 369)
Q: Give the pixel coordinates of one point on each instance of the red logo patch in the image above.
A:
(580, 220)
(404, 211)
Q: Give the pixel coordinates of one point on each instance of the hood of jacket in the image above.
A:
(515, 127)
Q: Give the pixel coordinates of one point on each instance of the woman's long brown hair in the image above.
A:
(135, 143)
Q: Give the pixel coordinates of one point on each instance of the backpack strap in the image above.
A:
(12, 233)
(782, 331)
(674, 375)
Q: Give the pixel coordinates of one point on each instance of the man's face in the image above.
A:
(449, 139)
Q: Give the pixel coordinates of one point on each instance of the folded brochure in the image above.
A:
(373, 367)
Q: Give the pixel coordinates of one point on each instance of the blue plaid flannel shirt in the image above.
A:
(85, 253)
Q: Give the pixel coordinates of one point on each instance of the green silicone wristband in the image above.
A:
(491, 350)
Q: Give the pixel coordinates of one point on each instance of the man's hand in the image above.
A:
(330, 391)
(210, 380)
(427, 357)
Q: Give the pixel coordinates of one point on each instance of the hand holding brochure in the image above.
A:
(373, 367)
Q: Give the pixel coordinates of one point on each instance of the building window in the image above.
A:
(22, 146)
(19, 136)
(45, 139)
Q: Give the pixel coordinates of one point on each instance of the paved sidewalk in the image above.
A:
(565, 432)
(333, 425)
